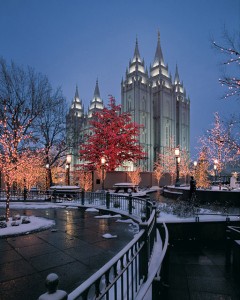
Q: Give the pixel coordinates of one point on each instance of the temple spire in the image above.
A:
(76, 93)
(136, 56)
(158, 59)
(96, 91)
(176, 77)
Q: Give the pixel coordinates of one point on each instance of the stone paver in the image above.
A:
(197, 272)
(75, 251)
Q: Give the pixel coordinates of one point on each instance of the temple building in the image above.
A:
(152, 98)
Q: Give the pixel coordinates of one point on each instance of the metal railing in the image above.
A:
(137, 264)
(124, 276)
(139, 207)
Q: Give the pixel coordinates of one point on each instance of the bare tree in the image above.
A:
(50, 130)
(21, 101)
(25, 97)
(230, 50)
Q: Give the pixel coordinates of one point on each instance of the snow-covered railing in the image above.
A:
(139, 207)
(123, 276)
(135, 267)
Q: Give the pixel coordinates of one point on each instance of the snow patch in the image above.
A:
(92, 209)
(109, 236)
(36, 223)
(107, 216)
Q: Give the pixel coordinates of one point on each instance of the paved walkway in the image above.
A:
(198, 272)
(75, 251)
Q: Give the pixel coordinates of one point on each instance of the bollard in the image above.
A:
(130, 206)
(83, 196)
(53, 293)
(108, 200)
(148, 208)
(25, 193)
(228, 249)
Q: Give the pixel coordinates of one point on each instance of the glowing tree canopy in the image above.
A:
(219, 144)
(114, 137)
(135, 176)
(201, 174)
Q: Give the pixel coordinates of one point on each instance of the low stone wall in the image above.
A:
(202, 231)
(205, 196)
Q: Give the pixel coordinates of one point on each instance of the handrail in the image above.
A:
(90, 281)
(155, 267)
(135, 249)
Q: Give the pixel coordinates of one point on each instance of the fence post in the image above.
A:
(228, 252)
(51, 284)
(130, 206)
(148, 213)
(25, 193)
(83, 196)
(108, 200)
(143, 255)
(154, 208)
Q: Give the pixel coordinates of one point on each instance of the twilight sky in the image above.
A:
(74, 42)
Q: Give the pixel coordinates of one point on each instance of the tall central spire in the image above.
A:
(96, 91)
(136, 56)
(158, 59)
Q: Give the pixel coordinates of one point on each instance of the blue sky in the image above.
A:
(76, 42)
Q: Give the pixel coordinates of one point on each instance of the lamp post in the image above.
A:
(216, 162)
(195, 167)
(215, 172)
(177, 155)
(103, 162)
(68, 162)
(47, 177)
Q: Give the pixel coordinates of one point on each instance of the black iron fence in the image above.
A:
(133, 270)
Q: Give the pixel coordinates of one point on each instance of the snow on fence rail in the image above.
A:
(124, 275)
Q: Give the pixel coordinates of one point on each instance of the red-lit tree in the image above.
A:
(114, 137)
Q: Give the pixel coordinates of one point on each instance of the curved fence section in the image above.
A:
(138, 207)
(131, 269)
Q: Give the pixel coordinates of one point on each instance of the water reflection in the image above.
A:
(77, 221)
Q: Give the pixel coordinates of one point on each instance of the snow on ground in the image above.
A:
(170, 218)
(29, 205)
(35, 224)
(107, 216)
(41, 223)
(109, 236)
(91, 209)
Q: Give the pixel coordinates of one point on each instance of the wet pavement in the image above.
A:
(74, 251)
(198, 272)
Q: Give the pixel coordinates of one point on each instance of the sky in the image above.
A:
(76, 42)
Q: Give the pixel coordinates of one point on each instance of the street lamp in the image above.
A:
(103, 162)
(68, 162)
(215, 172)
(47, 177)
(177, 153)
(195, 167)
(216, 162)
